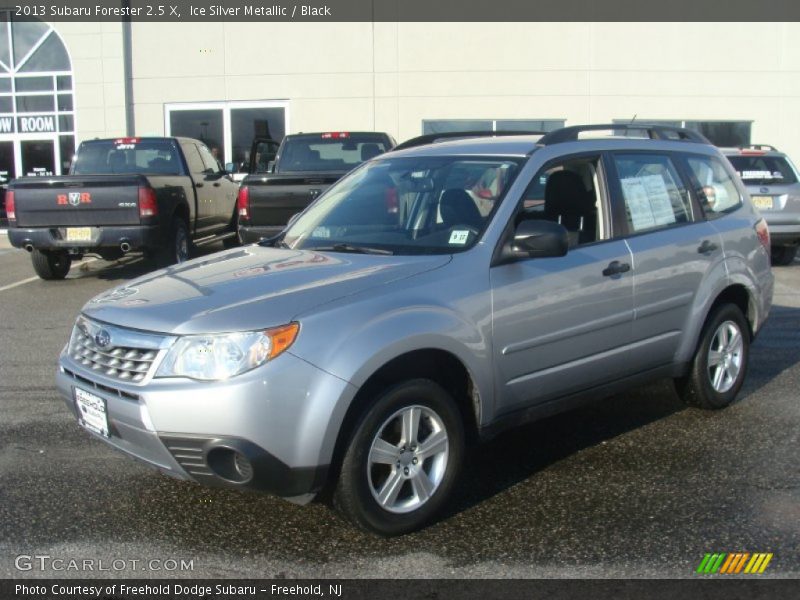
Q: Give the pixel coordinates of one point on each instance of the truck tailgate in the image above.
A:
(77, 200)
(274, 199)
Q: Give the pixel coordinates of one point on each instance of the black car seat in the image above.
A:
(456, 207)
(566, 201)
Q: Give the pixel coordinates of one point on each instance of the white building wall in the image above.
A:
(98, 77)
(391, 76)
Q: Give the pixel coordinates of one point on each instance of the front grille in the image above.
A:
(119, 362)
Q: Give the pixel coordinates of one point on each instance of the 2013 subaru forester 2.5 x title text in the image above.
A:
(426, 301)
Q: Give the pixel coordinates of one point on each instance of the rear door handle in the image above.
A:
(198, 185)
(706, 247)
(217, 184)
(615, 268)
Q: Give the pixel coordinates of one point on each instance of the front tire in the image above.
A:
(51, 265)
(783, 256)
(403, 459)
(720, 362)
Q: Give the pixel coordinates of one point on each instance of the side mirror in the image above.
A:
(538, 239)
(230, 167)
(271, 166)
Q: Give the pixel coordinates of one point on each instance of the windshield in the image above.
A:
(406, 206)
(329, 151)
(764, 170)
(131, 155)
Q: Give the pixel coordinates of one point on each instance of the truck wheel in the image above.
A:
(720, 362)
(403, 459)
(783, 255)
(51, 264)
(177, 247)
(233, 241)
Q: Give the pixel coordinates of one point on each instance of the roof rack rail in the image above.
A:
(654, 132)
(433, 138)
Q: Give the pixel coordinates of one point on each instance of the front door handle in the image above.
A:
(615, 268)
(706, 247)
(198, 185)
(217, 184)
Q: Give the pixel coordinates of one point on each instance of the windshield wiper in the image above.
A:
(274, 242)
(341, 247)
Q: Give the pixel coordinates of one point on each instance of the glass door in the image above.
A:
(38, 158)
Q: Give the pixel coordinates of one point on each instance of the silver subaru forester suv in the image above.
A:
(430, 299)
(774, 186)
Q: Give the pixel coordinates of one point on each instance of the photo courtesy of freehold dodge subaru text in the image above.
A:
(433, 297)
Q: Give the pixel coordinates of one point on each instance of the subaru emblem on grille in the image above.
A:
(102, 338)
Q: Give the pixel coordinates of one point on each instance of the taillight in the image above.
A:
(762, 231)
(391, 201)
(335, 135)
(148, 207)
(10, 210)
(243, 202)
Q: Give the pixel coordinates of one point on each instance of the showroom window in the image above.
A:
(228, 128)
(455, 125)
(37, 108)
(719, 133)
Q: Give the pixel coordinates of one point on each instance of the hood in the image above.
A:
(247, 288)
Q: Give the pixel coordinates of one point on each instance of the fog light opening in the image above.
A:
(230, 464)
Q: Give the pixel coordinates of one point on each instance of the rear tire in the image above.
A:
(403, 460)
(51, 265)
(233, 241)
(783, 256)
(177, 248)
(720, 362)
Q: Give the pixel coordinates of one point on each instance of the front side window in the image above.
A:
(429, 205)
(715, 188)
(652, 191)
(567, 193)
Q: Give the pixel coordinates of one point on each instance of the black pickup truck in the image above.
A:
(305, 166)
(152, 194)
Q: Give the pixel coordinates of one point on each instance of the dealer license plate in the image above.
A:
(763, 202)
(92, 411)
(79, 234)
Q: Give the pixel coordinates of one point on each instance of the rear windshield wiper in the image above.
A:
(352, 249)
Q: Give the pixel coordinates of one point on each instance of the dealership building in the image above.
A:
(226, 82)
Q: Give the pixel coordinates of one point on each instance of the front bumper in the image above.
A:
(54, 238)
(279, 417)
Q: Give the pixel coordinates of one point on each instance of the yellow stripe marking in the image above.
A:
(752, 563)
(765, 563)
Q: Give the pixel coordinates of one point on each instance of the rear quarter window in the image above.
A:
(714, 186)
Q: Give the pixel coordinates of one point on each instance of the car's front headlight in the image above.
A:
(220, 356)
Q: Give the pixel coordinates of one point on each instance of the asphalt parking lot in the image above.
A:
(634, 486)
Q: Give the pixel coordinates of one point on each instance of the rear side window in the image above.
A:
(130, 155)
(764, 170)
(714, 186)
(652, 191)
(330, 151)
